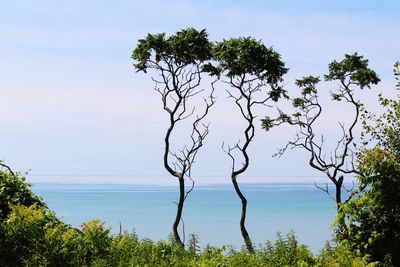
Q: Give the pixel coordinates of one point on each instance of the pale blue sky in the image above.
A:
(71, 103)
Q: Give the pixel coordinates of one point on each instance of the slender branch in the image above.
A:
(2, 165)
(326, 190)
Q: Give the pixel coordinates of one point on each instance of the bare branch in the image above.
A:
(2, 165)
(326, 190)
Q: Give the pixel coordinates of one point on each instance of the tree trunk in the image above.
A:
(179, 211)
(339, 205)
(338, 195)
(245, 234)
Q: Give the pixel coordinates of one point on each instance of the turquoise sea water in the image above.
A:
(211, 211)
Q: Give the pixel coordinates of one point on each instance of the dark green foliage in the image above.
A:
(267, 123)
(341, 255)
(302, 104)
(34, 236)
(385, 129)
(96, 239)
(396, 71)
(239, 56)
(307, 84)
(354, 68)
(186, 47)
(247, 57)
(373, 215)
(286, 252)
(298, 102)
(30, 234)
(14, 191)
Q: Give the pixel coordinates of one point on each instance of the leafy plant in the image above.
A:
(373, 215)
(15, 191)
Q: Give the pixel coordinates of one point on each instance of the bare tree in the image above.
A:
(179, 61)
(252, 72)
(351, 73)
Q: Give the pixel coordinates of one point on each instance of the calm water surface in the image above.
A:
(211, 211)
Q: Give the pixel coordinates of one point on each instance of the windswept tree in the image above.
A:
(253, 72)
(178, 61)
(351, 73)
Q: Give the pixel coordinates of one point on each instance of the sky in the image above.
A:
(73, 108)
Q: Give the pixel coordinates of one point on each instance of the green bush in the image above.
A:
(32, 235)
(286, 252)
(15, 191)
(373, 215)
(96, 240)
(35, 238)
(341, 255)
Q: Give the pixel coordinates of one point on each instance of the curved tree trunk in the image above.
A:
(249, 134)
(338, 193)
(179, 211)
(245, 234)
(342, 228)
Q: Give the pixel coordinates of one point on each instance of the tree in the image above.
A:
(179, 61)
(14, 191)
(253, 72)
(351, 73)
(372, 216)
(385, 129)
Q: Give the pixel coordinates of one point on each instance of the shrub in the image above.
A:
(286, 252)
(15, 191)
(341, 255)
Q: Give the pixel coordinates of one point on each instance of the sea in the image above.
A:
(212, 212)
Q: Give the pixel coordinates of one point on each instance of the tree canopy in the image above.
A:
(252, 60)
(188, 46)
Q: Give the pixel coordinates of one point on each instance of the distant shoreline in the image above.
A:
(173, 185)
(167, 180)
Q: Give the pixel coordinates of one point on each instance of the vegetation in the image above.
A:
(367, 223)
(14, 191)
(373, 215)
(32, 235)
(252, 72)
(179, 61)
